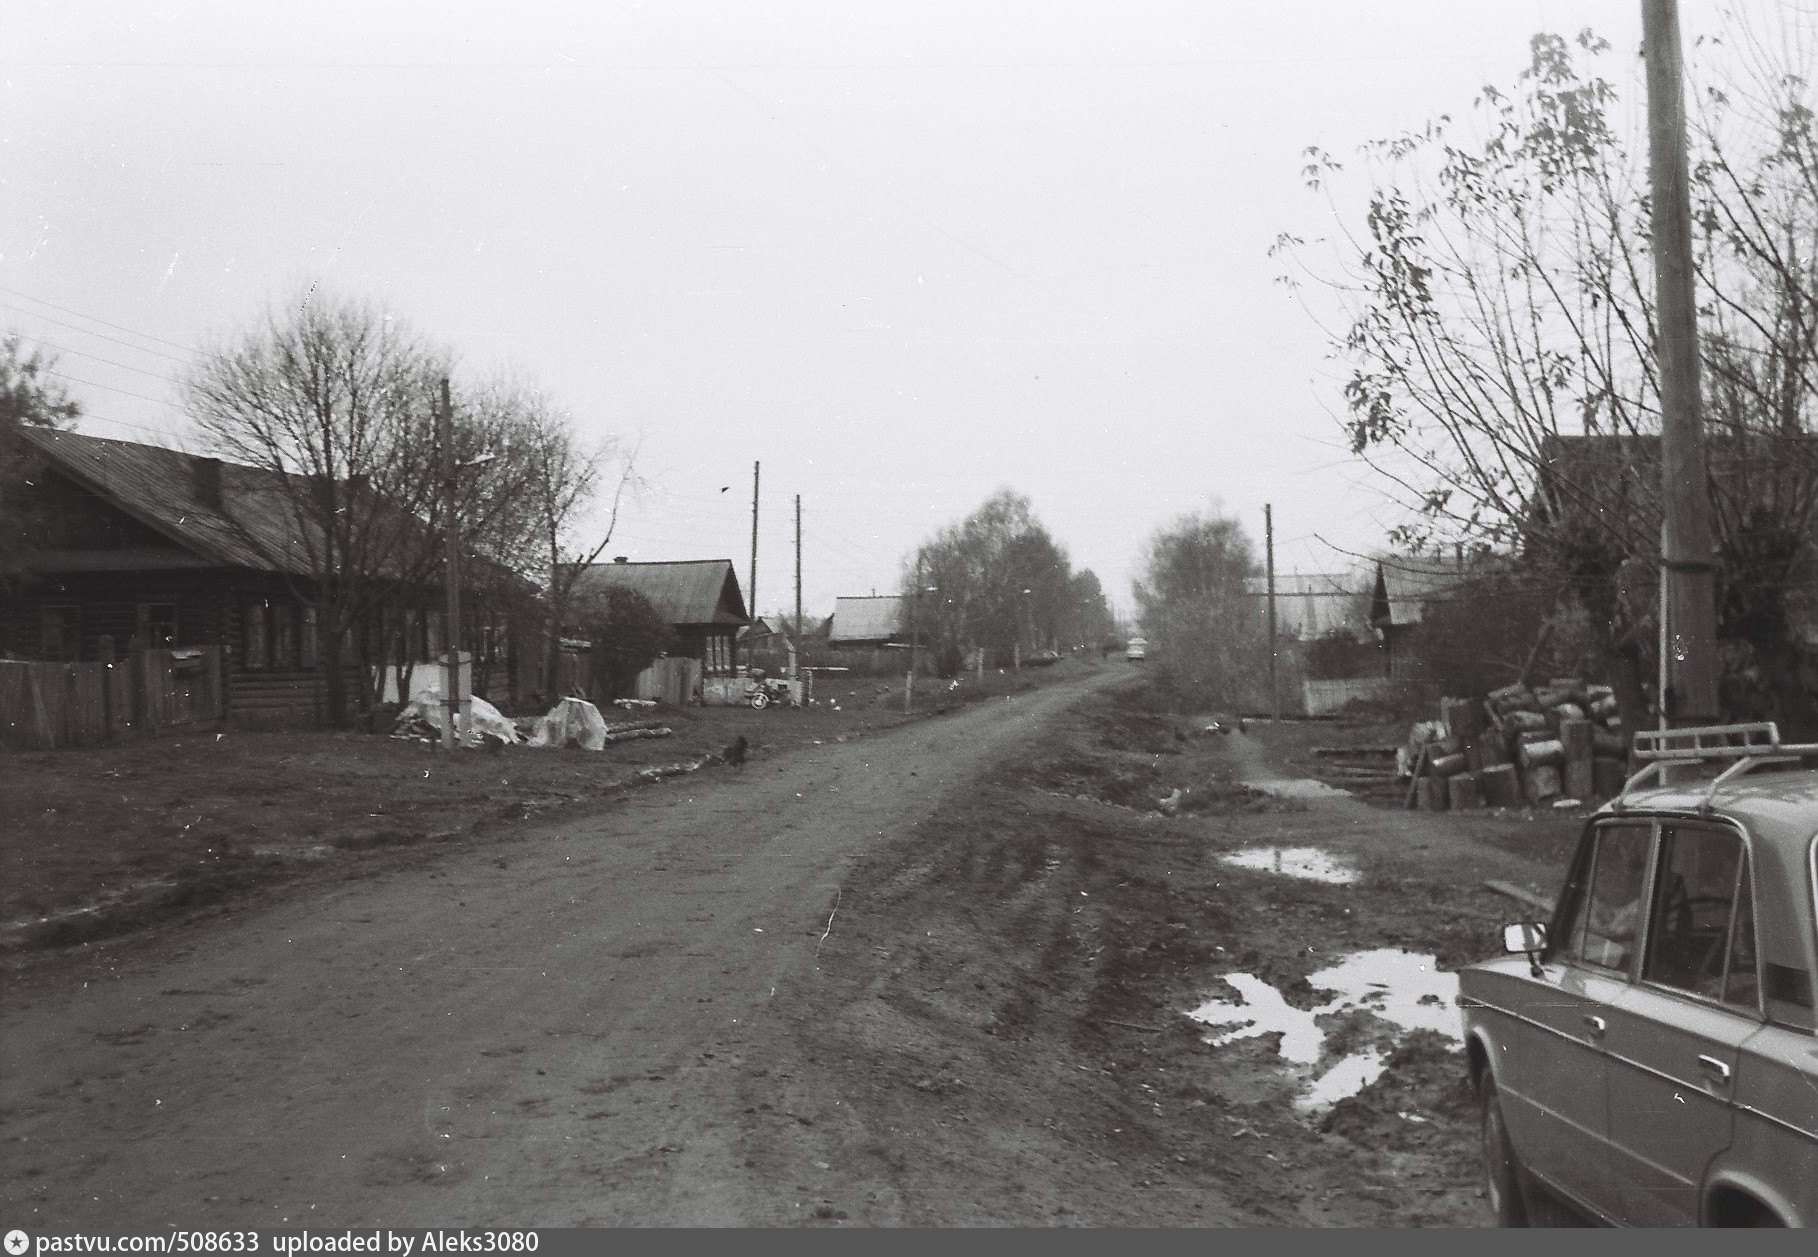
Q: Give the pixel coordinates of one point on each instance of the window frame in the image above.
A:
(1756, 1012)
(1578, 887)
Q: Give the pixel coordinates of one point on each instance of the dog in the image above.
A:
(734, 753)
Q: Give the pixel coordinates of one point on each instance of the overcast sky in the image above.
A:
(902, 253)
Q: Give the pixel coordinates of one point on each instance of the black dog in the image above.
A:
(734, 753)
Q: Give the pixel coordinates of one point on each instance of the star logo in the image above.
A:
(17, 1242)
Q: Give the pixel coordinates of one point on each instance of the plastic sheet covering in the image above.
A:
(571, 721)
(425, 708)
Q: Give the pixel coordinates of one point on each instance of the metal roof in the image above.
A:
(1405, 583)
(687, 592)
(876, 618)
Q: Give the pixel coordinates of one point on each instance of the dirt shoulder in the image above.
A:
(1001, 1004)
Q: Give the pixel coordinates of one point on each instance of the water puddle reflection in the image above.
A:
(1308, 862)
(1404, 989)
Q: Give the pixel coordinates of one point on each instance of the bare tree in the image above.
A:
(334, 400)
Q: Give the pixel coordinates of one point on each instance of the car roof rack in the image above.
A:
(1748, 745)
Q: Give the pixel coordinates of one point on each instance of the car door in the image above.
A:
(1674, 1038)
(1560, 1122)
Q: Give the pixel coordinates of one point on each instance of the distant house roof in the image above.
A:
(255, 527)
(689, 593)
(1406, 583)
(877, 618)
(1310, 605)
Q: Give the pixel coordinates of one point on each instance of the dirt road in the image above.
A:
(573, 1026)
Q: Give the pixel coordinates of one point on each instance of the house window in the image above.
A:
(157, 624)
(60, 633)
(284, 636)
(312, 648)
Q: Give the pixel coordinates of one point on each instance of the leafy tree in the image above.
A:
(1208, 641)
(994, 580)
(1498, 305)
(29, 396)
(627, 633)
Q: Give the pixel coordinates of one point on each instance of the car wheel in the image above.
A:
(1502, 1176)
(760, 700)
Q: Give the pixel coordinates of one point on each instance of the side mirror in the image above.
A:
(1527, 938)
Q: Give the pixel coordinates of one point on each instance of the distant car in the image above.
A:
(1650, 1056)
(1137, 650)
(1043, 659)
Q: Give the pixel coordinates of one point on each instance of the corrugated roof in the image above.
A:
(254, 528)
(1312, 604)
(876, 618)
(687, 592)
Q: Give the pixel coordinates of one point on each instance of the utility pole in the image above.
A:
(1687, 569)
(751, 593)
(1269, 551)
(915, 596)
(798, 565)
(451, 689)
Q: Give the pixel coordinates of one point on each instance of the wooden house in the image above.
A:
(699, 597)
(125, 544)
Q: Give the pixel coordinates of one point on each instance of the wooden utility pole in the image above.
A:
(751, 592)
(1269, 553)
(451, 687)
(1686, 553)
(915, 596)
(798, 565)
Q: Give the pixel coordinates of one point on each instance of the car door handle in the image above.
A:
(1718, 1071)
(1597, 1025)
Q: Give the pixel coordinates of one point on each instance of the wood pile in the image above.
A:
(1521, 746)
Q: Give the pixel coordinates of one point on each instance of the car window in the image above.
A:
(1604, 933)
(1695, 898)
(1742, 981)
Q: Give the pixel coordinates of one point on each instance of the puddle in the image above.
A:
(1405, 989)
(1297, 788)
(1308, 862)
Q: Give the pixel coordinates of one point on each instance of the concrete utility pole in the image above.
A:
(451, 689)
(1269, 552)
(751, 593)
(1686, 553)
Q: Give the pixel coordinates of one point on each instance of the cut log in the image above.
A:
(1433, 794)
(1580, 781)
(1451, 744)
(1544, 784)
(1525, 721)
(1491, 751)
(1577, 738)
(1568, 711)
(1535, 755)
(1499, 786)
(1448, 765)
(1606, 743)
(1464, 792)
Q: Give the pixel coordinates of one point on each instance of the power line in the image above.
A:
(156, 401)
(87, 331)
(96, 358)
(118, 327)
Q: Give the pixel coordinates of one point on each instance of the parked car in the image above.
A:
(1649, 1056)
(1137, 649)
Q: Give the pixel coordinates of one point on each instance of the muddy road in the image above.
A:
(939, 975)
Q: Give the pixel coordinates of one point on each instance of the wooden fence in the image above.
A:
(44, 706)
(1325, 697)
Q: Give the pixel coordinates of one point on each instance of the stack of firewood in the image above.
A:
(1554, 744)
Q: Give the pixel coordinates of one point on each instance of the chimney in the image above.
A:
(619, 558)
(206, 475)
